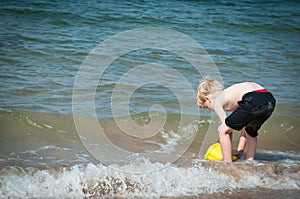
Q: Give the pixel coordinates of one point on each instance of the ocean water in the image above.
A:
(46, 151)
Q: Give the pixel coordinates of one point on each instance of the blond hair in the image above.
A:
(206, 87)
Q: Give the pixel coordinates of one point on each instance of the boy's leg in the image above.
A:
(250, 147)
(252, 133)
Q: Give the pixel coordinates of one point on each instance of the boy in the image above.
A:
(251, 106)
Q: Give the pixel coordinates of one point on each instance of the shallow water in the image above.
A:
(49, 140)
(43, 46)
(42, 156)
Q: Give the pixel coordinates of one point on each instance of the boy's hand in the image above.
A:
(238, 154)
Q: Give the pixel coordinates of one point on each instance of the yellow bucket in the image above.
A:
(214, 152)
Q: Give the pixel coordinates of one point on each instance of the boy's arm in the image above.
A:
(218, 107)
(241, 145)
(242, 141)
(224, 130)
(219, 104)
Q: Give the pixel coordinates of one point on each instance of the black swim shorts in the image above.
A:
(253, 110)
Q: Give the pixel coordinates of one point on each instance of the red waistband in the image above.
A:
(261, 91)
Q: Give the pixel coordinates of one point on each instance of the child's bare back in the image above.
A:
(234, 93)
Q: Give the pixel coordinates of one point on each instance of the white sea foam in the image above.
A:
(171, 138)
(123, 180)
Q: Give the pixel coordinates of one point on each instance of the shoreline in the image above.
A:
(245, 194)
(255, 193)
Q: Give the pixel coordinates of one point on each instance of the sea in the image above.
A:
(97, 98)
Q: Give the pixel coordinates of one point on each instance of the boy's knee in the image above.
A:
(251, 131)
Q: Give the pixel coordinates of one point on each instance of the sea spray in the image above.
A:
(128, 180)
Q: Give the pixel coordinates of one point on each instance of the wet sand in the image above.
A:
(239, 194)
(247, 194)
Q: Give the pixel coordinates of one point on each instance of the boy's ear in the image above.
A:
(207, 98)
